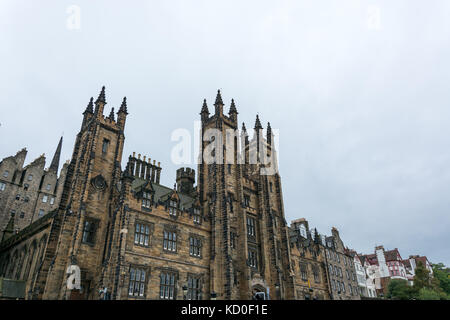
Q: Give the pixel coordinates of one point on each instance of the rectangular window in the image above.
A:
(173, 208)
(30, 177)
(105, 146)
(89, 229)
(146, 200)
(22, 215)
(2, 186)
(233, 240)
(194, 290)
(137, 282)
(52, 200)
(17, 196)
(230, 201)
(195, 247)
(6, 173)
(316, 274)
(141, 234)
(251, 226)
(48, 187)
(167, 286)
(246, 201)
(170, 241)
(304, 272)
(44, 199)
(197, 216)
(270, 186)
(252, 258)
(229, 168)
(13, 213)
(41, 213)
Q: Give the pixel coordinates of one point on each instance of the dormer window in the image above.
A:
(173, 208)
(302, 230)
(197, 216)
(146, 199)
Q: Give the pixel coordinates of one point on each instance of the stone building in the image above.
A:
(28, 192)
(341, 269)
(132, 238)
(308, 262)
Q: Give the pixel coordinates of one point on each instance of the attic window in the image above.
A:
(146, 199)
(2, 186)
(197, 217)
(6, 173)
(30, 177)
(173, 208)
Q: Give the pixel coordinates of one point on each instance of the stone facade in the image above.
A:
(133, 238)
(28, 192)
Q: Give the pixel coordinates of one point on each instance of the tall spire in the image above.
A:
(258, 123)
(55, 161)
(123, 106)
(232, 108)
(101, 96)
(90, 106)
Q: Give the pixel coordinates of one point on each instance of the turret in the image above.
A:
(185, 180)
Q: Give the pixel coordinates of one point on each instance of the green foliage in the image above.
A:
(442, 274)
(399, 289)
(431, 294)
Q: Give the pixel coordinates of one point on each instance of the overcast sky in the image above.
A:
(358, 89)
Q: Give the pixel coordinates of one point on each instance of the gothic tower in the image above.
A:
(249, 247)
(82, 227)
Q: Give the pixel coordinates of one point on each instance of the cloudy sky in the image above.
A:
(358, 89)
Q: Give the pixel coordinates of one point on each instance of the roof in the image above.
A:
(162, 193)
(392, 255)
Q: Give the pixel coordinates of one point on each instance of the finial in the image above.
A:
(123, 106)
(244, 129)
(218, 98)
(111, 114)
(232, 108)
(204, 107)
(90, 106)
(258, 123)
(101, 96)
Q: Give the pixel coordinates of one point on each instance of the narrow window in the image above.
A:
(89, 231)
(233, 240)
(6, 173)
(195, 247)
(141, 234)
(252, 258)
(41, 213)
(52, 200)
(194, 290)
(146, 200)
(167, 286)
(246, 201)
(251, 226)
(22, 215)
(197, 216)
(173, 208)
(105, 146)
(2, 186)
(270, 186)
(44, 199)
(304, 272)
(170, 241)
(137, 282)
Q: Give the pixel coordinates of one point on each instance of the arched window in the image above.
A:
(30, 258)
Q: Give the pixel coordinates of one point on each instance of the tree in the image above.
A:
(442, 274)
(422, 278)
(428, 294)
(399, 289)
